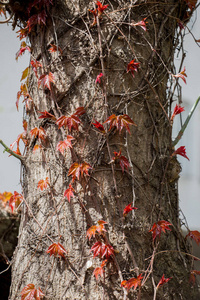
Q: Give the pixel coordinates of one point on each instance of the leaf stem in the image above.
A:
(180, 134)
(7, 149)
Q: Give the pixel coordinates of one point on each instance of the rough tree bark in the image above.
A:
(47, 216)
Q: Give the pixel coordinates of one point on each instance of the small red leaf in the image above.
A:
(22, 49)
(63, 145)
(68, 121)
(45, 80)
(159, 227)
(195, 235)
(123, 161)
(102, 250)
(101, 8)
(69, 192)
(163, 280)
(142, 24)
(177, 110)
(133, 67)
(15, 200)
(99, 271)
(29, 292)
(98, 80)
(46, 115)
(99, 126)
(132, 282)
(127, 209)
(77, 169)
(43, 184)
(120, 122)
(57, 249)
(39, 133)
(181, 75)
(180, 151)
(54, 48)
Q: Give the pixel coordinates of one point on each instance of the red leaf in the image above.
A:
(142, 24)
(5, 196)
(193, 274)
(35, 65)
(99, 126)
(195, 235)
(120, 122)
(94, 12)
(79, 111)
(43, 184)
(99, 228)
(39, 133)
(23, 32)
(63, 145)
(163, 280)
(45, 80)
(127, 209)
(77, 169)
(132, 282)
(123, 161)
(98, 78)
(39, 19)
(57, 249)
(54, 48)
(102, 250)
(101, 8)
(99, 271)
(177, 110)
(182, 75)
(15, 200)
(180, 151)
(71, 122)
(133, 67)
(22, 49)
(159, 227)
(69, 192)
(46, 115)
(29, 292)
(91, 231)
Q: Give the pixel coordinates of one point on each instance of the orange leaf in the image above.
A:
(91, 231)
(54, 48)
(195, 235)
(181, 75)
(29, 292)
(120, 122)
(77, 169)
(57, 249)
(63, 145)
(99, 271)
(69, 192)
(5, 197)
(43, 184)
(15, 200)
(132, 282)
(38, 133)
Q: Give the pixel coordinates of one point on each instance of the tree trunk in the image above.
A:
(149, 183)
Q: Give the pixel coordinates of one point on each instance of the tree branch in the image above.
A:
(8, 19)
(7, 149)
(180, 134)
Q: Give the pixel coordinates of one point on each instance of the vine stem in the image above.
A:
(180, 134)
(7, 149)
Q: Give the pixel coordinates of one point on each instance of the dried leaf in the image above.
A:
(195, 235)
